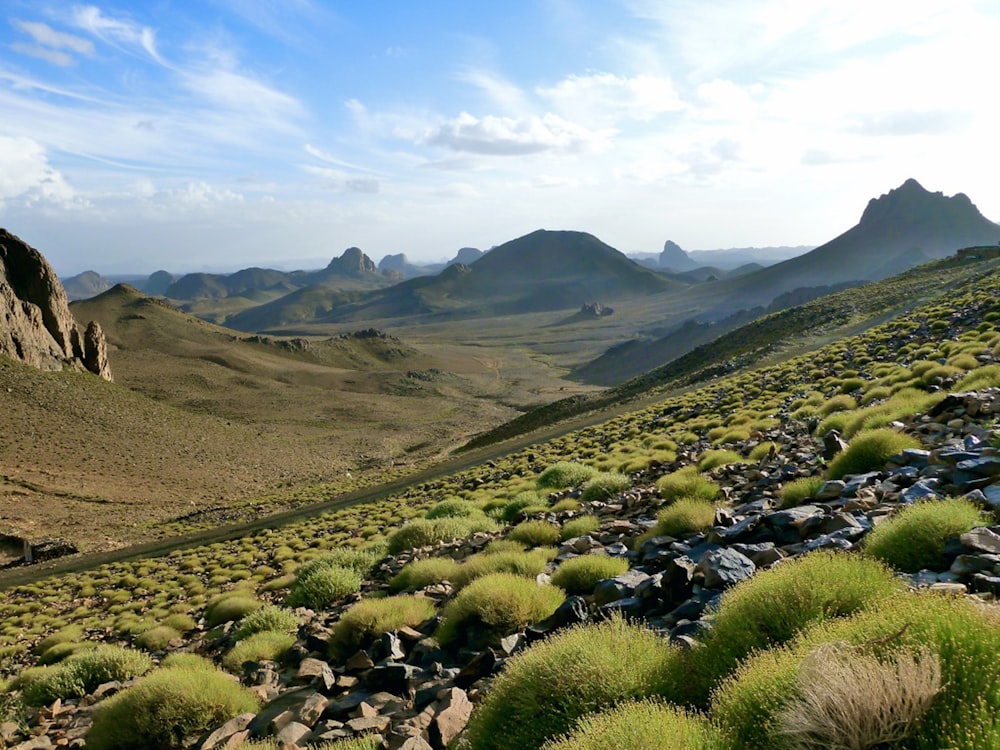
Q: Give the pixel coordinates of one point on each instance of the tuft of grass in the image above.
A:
(158, 638)
(525, 564)
(230, 606)
(763, 450)
(166, 707)
(370, 618)
(565, 474)
(452, 508)
(639, 725)
(799, 491)
(68, 634)
(987, 376)
(773, 606)
(687, 482)
(420, 573)
(544, 690)
(321, 586)
(684, 516)
(265, 645)
(523, 504)
(915, 538)
(422, 532)
(720, 457)
(270, 617)
(604, 486)
(503, 602)
(579, 575)
(534, 533)
(843, 402)
(869, 451)
(80, 674)
(60, 651)
(579, 526)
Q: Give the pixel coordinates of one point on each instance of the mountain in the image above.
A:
(36, 325)
(467, 255)
(195, 286)
(734, 257)
(158, 283)
(401, 265)
(86, 285)
(673, 258)
(897, 231)
(544, 270)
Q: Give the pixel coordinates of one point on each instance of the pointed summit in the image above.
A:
(673, 258)
(352, 262)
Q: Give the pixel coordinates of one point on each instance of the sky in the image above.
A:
(220, 134)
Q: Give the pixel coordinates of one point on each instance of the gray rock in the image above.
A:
(725, 567)
(982, 539)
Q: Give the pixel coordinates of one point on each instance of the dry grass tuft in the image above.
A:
(849, 700)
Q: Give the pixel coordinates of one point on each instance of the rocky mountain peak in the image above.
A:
(36, 325)
(353, 262)
(911, 202)
(675, 258)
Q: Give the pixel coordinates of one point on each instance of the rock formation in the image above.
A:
(36, 325)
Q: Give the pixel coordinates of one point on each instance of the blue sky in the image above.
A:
(214, 134)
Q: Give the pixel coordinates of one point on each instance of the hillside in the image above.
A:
(898, 230)
(85, 285)
(544, 270)
(723, 550)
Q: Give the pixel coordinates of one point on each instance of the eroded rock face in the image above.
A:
(36, 325)
(95, 351)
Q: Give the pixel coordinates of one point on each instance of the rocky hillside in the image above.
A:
(37, 327)
(697, 570)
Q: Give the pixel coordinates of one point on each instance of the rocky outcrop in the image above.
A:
(352, 263)
(95, 351)
(36, 325)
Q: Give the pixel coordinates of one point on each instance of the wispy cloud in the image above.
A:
(514, 136)
(50, 44)
(120, 33)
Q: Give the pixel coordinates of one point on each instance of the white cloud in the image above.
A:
(25, 174)
(46, 36)
(503, 93)
(122, 34)
(514, 136)
(240, 93)
(54, 56)
(606, 97)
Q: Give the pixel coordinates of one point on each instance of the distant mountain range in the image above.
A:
(674, 259)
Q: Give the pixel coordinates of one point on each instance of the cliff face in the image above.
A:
(36, 325)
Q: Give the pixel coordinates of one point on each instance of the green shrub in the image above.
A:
(869, 451)
(230, 606)
(799, 491)
(360, 560)
(544, 690)
(270, 617)
(965, 637)
(323, 586)
(721, 457)
(604, 486)
(452, 508)
(639, 725)
(534, 533)
(987, 376)
(186, 660)
(567, 503)
(524, 504)
(421, 573)
(81, 673)
(158, 638)
(763, 450)
(265, 645)
(686, 482)
(774, 605)
(498, 546)
(684, 516)
(850, 385)
(914, 539)
(579, 575)
(503, 602)
(166, 707)
(59, 651)
(842, 402)
(565, 474)
(525, 564)
(422, 532)
(181, 622)
(579, 526)
(68, 634)
(370, 618)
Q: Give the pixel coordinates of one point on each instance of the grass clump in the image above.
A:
(266, 645)
(423, 532)
(639, 725)
(869, 451)
(685, 516)
(420, 573)
(370, 618)
(158, 638)
(579, 575)
(523, 504)
(915, 538)
(843, 402)
(763, 450)
(987, 376)
(452, 508)
(80, 674)
(565, 474)
(68, 634)
(166, 707)
(604, 486)
(721, 457)
(233, 605)
(503, 602)
(773, 606)
(60, 651)
(317, 587)
(543, 691)
(534, 533)
(799, 491)
(687, 482)
(270, 617)
(579, 526)
(525, 564)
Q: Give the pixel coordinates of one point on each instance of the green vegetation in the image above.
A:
(265, 645)
(371, 618)
(319, 586)
(503, 602)
(423, 532)
(687, 482)
(580, 574)
(270, 617)
(565, 474)
(420, 573)
(544, 690)
(869, 451)
(230, 606)
(799, 491)
(158, 638)
(684, 516)
(535, 533)
(167, 706)
(452, 508)
(915, 538)
(80, 674)
(722, 457)
(525, 564)
(639, 725)
(580, 526)
(604, 486)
